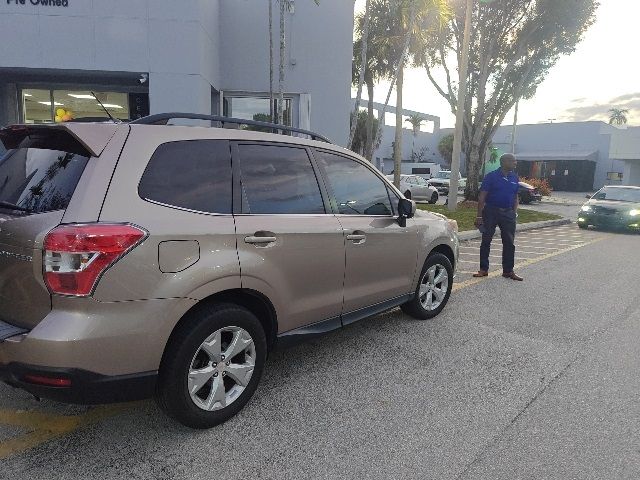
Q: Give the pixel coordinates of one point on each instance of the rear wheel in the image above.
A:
(434, 198)
(212, 365)
(433, 290)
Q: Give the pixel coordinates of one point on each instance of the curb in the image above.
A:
(521, 227)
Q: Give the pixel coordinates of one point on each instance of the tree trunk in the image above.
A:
(282, 58)
(397, 151)
(398, 69)
(368, 149)
(271, 109)
(363, 65)
(474, 164)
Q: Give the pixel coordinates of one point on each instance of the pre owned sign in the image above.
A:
(44, 3)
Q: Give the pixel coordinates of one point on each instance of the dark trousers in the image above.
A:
(505, 218)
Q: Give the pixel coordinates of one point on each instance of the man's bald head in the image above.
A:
(508, 161)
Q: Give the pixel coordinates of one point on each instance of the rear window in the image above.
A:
(37, 180)
(190, 174)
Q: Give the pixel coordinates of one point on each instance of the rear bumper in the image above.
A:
(84, 387)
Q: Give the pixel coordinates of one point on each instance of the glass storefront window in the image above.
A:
(36, 106)
(255, 108)
(71, 105)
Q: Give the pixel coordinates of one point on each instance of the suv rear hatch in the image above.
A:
(38, 175)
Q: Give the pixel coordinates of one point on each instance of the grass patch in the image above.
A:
(466, 215)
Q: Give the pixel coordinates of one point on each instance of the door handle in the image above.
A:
(259, 240)
(357, 238)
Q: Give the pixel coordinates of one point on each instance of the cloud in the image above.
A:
(626, 98)
(578, 100)
(598, 111)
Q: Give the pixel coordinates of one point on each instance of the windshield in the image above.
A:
(445, 175)
(619, 194)
(38, 180)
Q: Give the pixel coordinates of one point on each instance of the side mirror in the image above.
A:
(406, 209)
(588, 196)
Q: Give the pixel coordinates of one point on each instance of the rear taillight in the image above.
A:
(75, 256)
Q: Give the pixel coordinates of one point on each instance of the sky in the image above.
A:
(601, 74)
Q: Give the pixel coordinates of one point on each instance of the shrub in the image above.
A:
(540, 183)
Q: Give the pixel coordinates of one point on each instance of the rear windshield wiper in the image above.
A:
(13, 206)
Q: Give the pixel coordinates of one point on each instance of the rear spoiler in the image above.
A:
(84, 139)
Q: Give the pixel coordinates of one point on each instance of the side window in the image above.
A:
(278, 180)
(192, 174)
(358, 191)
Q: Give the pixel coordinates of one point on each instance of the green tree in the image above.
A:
(359, 144)
(618, 116)
(363, 32)
(514, 44)
(416, 120)
(397, 32)
(379, 60)
(445, 147)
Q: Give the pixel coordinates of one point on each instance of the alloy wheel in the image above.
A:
(221, 368)
(434, 287)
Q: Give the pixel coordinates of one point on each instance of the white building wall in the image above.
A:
(625, 145)
(318, 59)
(189, 48)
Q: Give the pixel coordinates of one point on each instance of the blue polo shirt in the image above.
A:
(501, 189)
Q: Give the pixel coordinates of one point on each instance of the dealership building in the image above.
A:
(141, 57)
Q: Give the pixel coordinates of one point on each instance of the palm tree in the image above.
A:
(618, 116)
(404, 27)
(416, 120)
(364, 39)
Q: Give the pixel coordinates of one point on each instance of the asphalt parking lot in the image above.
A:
(531, 246)
(514, 380)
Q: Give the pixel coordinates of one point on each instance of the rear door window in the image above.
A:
(278, 180)
(37, 180)
(190, 174)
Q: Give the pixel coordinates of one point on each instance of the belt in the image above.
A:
(500, 209)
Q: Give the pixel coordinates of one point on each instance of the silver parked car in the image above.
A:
(144, 259)
(414, 187)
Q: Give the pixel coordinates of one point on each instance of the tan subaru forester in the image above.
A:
(149, 259)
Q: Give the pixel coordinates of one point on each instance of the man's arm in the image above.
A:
(482, 198)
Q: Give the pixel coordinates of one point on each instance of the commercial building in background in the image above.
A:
(625, 147)
(153, 56)
(572, 156)
(419, 148)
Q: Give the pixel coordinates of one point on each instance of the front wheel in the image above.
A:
(433, 290)
(212, 365)
(434, 198)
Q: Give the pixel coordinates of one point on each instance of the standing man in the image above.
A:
(497, 206)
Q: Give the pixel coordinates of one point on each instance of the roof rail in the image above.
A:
(163, 119)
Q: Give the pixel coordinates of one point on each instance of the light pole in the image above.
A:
(462, 92)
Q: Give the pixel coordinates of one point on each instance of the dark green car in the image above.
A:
(612, 207)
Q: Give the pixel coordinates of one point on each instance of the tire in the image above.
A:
(407, 194)
(416, 307)
(583, 226)
(184, 354)
(434, 198)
